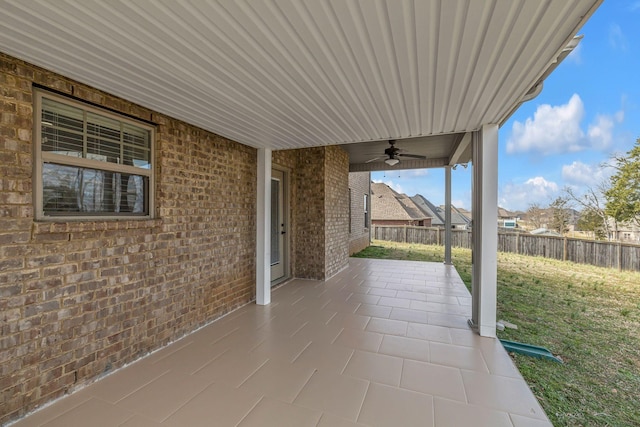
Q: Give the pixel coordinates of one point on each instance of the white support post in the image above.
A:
(263, 228)
(447, 215)
(485, 230)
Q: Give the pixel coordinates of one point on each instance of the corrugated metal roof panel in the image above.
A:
(292, 74)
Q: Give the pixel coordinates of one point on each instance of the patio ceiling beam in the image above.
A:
(460, 148)
(404, 164)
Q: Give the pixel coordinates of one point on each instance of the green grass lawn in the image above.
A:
(589, 316)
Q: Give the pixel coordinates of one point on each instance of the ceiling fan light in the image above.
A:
(392, 162)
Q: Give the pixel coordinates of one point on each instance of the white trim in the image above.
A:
(49, 157)
(263, 228)
(485, 230)
(447, 215)
(287, 219)
(61, 159)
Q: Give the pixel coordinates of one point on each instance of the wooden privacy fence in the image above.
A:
(622, 256)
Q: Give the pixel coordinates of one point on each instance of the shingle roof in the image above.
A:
(504, 213)
(458, 216)
(437, 216)
(462, 216)
(387, 204)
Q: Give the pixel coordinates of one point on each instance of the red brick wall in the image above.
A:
(81, 298)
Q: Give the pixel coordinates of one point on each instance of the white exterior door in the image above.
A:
(278, 226)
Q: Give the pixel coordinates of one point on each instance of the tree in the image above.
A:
(590, 220)
(560, 219)
(535, 215)
(623, 197)
(593, 217)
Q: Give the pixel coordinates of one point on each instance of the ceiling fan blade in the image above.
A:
(374, 159)
(415, 156)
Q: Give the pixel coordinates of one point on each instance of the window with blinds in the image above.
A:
(90, 162)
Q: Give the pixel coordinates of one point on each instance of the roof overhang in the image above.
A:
(284, 74)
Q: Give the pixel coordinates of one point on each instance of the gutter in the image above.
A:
(537, 87)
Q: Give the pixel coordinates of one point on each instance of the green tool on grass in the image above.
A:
(529, 350)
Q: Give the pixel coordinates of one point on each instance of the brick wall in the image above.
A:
(359, 231)
(81, 298)
(308, 208)
(336, 184)
(319, 196)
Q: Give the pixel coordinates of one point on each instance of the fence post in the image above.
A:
(619, 256)
(564, 249)
(518, 243)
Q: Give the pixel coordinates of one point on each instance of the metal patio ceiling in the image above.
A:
(287, 74)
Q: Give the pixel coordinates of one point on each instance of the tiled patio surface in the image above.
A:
(383, 343)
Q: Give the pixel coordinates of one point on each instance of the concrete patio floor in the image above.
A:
(383, 343)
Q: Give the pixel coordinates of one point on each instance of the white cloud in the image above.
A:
(619, 115)
(556, 130)
(553, 129)
(600, 131)
(520, 196)
(617, 39)
(394, 186)
(579, 174)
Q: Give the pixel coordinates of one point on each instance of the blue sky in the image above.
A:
(588, 110)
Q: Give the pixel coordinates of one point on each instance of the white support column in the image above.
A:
(447, 215)
(263, 228)
(485, 230)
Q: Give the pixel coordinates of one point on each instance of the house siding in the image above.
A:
(82, 298)
(359, 231)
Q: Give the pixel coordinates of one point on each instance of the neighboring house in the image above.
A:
(359, 211)
(389, 207)
(543, 218)
(430, 210)
(626, 232)
(459, 219)
(507, 219)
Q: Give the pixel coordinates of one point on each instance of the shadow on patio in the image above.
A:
(383, 343)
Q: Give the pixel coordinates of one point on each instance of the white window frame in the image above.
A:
(47, 157)
(366, 211)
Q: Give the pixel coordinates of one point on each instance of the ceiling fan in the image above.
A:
(393, 153)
